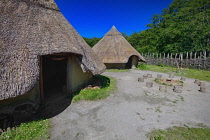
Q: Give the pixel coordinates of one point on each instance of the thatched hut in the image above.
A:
(116, 52)
(40, 52)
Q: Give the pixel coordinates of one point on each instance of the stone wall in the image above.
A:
(188, 60)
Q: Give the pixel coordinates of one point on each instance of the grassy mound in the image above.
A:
(104, 87)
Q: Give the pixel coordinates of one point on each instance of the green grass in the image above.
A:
(117, 70)
(157, 109)
(108, 84)
(38, 130)
(181, 97)
(190, 73)
(196, 74)
(180, 133)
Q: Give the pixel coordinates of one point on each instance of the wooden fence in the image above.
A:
(189, 60)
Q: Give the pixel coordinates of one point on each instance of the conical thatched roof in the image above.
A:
(29, 29)
(114, 48)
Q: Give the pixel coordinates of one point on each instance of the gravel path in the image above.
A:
(133, 110)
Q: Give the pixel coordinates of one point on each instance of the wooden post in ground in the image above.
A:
(171, 75)
(162, 88)
(197, 81)
(145, 76)
(159, 76)
(149, 75)
(183, 78)
(202, 84)
(149, 84)
(203, 89)
(177, 89)
(187, 61)
(195, 60)
(141, 79)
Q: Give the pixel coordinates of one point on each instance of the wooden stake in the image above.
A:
(149, 84)
(159, 76)
(149, 75)
(141, 79)
(203, 89)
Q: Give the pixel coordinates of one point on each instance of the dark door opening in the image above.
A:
(54, 75)
(129, 63)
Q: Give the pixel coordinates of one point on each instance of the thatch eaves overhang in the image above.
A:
(114, 48)
(28, 30)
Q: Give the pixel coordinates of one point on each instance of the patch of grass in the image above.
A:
(167, 84)
(159, 82)
(137, 113)
(202, 125)
(175, 101)
(157, 109)
(161, 64)
(146, 94)
(181, 97)
(181, 81)
(163, 69)
(117, 70)
(180, 133)
(108, 84)
(38, 130)
(142, 66)
(190, 73)
(196, 74)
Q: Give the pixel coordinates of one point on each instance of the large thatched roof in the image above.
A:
(114, 48)
(29, 29)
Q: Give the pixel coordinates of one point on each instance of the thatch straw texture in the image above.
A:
(114, 48)
(29, 29)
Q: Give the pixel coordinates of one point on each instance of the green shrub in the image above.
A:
(142, 66)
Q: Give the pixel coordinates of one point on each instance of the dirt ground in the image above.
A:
(133, 110)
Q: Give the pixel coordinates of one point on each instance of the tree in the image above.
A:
(182, 27)
(91, 41)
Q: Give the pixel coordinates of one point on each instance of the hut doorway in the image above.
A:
(129, 63)
(53, 78)
(132, 62)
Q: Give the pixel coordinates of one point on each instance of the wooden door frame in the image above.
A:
(41, 85)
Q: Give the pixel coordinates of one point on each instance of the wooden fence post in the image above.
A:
(204, 60)
(186, 61)
(181, 60)
(195, 60)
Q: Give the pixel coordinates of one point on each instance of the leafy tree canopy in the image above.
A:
(91, 41)
(182, 27)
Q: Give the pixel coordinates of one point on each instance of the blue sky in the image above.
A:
(94, 18)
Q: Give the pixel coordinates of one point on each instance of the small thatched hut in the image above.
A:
(116, 52)
(40, 52)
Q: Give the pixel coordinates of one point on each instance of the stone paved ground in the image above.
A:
(133, 110)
